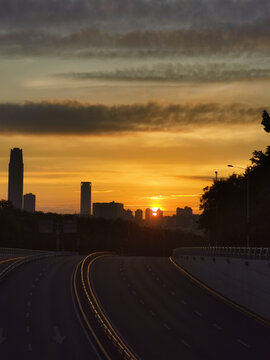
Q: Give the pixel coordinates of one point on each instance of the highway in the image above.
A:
(37, 315)
(161, 314)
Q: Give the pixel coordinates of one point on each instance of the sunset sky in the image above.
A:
(144, 98)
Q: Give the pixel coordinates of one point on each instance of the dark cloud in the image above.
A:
(71, 117)
(119, 14)
(209, 71)
(89, 42)
(193, 177)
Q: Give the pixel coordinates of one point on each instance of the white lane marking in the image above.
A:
(36, 280)
(29, 303)
(157, 278)
(27, 315)
(40, 274)
(152, 313)
(124, 278)
(184, 302)
(2, 338)
(128, 285)
(217, 326)
(164, 285)
(198, 313)
(28, 329)
(31, 293)
(29, 347)
(57, 335)
(134, 292)
(186, 344)
(33, 286)
(243, 343)
(172, 293)
(166, 326)
(142, 302)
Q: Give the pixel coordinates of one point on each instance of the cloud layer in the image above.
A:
(131, 13)
(89, 42)
(71, 117)
(193, 71)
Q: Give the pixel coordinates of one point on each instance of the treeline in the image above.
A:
(20, 229)
(224, 204)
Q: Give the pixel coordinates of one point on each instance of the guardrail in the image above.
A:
(238, 252)
(15, 251)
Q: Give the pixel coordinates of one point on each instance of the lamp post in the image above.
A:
(248, 203)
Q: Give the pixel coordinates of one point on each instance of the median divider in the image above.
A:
(110, 343)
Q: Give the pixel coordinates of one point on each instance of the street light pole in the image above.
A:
(248, 204)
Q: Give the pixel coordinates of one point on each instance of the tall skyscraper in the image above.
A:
(85, 199)
(15, 181)
(29, 202)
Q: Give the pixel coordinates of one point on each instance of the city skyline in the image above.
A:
(105, 195)
(147, 102)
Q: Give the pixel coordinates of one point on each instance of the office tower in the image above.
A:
(15, 180)
(110, 210)
(29, 202)
(85, 199)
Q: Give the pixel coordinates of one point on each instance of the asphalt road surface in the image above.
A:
(37, 315)
(162, 314)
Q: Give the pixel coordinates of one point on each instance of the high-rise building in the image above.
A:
(29, 202)
(15, 180)
(85, 199)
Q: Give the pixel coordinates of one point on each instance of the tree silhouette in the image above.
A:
(266, 121)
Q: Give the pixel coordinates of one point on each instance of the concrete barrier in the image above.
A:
(245, 281)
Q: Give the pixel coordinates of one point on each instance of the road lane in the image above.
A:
(163, 314)
(37, 316)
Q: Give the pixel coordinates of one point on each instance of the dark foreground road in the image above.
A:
(162, 314)
(37, 316)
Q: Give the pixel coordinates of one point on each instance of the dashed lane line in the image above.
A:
(186, 344)
(217, 326)
(166, 326)
(244, 343)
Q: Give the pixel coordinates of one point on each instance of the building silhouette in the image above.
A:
(139, 215)
(148, 214)
(15, 179)
(85, 199)
(110, 210)
(29, 202)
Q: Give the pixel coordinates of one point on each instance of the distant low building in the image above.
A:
(29, 202)
(153, 217)
(187, 211)
(128, 215)
(148, 214)
(138, 215)
(110, 210)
